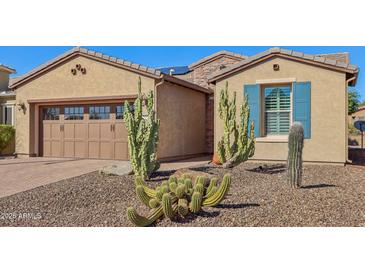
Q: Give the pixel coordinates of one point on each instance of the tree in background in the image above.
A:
(354, 101)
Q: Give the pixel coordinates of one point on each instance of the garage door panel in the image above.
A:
(105, 131)
(93, 148)
(46, 131)
(94, 131)
(55, 131)
(69, 148)
(121, 133)
(80, 131)
(69, 131)
(121, 151)
(56, 149)
(47, 148)
(80, 149)
(106, 150)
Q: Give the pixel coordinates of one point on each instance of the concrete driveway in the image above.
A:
(17, 175)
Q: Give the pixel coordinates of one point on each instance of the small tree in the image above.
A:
(234, 151)
(354, 102)
(142, 134)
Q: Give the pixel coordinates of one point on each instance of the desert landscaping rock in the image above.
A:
(119, 168)
(259, 196)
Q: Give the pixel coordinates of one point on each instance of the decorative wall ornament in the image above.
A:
(276, 67)
(21, 106)
(78, 67)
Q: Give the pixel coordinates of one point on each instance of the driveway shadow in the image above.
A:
(318, 186)
(235, 206)
(266, 169)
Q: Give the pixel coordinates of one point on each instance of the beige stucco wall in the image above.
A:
(182, 121)
(100, 80)
(328, 141)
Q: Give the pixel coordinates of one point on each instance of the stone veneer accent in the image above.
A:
(199, 75)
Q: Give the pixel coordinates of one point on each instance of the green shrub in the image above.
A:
(6, 135)
(353, 130)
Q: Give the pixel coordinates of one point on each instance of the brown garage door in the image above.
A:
(84, 131)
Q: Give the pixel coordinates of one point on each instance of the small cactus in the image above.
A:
(295, 152)
(167, 205)
(178, 196)
(196, 202)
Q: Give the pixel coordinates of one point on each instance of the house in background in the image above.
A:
(72, 106)
(7, 104)
(284, 86)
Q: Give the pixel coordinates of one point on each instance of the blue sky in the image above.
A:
(24, 59)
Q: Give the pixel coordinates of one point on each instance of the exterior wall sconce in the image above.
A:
(21, 106)
(276, 67)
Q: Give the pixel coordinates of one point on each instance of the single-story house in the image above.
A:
(284, 86)
(72, 106)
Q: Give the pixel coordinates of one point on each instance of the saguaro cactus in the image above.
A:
(170, 200)
(142, 134)
(295, 149)
(233, 151)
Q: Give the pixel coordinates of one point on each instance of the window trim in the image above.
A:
(264, 137)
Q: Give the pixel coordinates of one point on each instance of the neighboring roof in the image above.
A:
(217, 55)
(13, 80)
(7, 68)
(88, 53)
(360, 108)
(178, 70)
(289, 54)
(77, 51)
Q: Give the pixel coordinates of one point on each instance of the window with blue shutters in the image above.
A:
(277, 110)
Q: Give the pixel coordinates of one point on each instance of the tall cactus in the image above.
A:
(236, 150)
(142, 134)
(295, 151)
(186, 197)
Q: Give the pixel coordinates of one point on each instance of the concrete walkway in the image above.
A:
(17, 175)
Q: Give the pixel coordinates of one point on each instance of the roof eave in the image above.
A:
(146, 71)
(264, 57)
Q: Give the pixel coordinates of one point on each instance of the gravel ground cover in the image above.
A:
(259, 196)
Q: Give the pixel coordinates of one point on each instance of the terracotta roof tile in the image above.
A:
(214, 55)
(276, 51)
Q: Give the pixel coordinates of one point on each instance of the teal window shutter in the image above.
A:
(254, 102)
(302, 106)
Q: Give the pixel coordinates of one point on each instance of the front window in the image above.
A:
(8, 115)
(99, 112)
(74, 113)
(277, 110)
(51, 113)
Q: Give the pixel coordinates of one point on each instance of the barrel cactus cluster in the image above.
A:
(295, 151)
(142, 134)
(178, 196)
(238, 141)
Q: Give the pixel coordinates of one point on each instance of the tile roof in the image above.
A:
(83, 51)
(155, 73)
(215, 55)
(319, 60)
